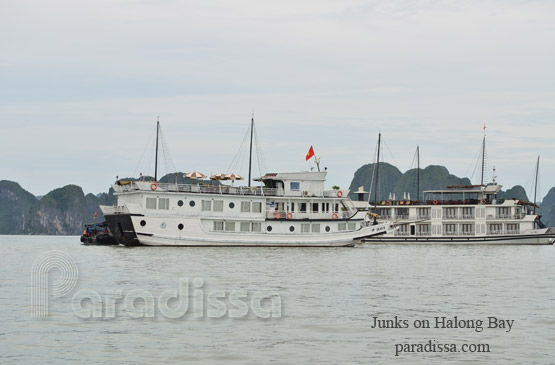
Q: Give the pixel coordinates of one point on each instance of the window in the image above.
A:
(423, 229)
(180, 203)
(325, 207)
(504, 212)
(257, 207)
(450, 229)
(467, 229)
(423, 213)
(336, 208)
(315, 207)
(351, 226)
(269, 228)
(218, 226)
(230, 226)
(328, 228)
(305, 227)
(291, 229)
(513, 228)
(342, 226)
(245, 207)
(316, 227)
(257, 227)
(192, 203)
(449, 213)
(245, 226)
(231, 205)
(150, 203)
(303, 208)
(295, 186)
(163, 203)
(467, 213)
(206, 205)
(402, 213)
(384, 212)
(495, 228)
(218, 205)
(143, 223)
(180, 226)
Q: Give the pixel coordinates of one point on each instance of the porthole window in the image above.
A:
(231, 205)
(180, 226)
(269, 228)
(180, 203)
(192, 203)
(143, 223)
(291, 229)
(163, 225)
(327, 228)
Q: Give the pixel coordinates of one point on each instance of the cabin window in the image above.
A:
(257, 207)
(291, 229)
(316, 227)
(269, 228)
(325, 207)
(305, 227)
(231, 205)
(150, 203)
(256, 227)
(292, 210)
(230, 226)
(245, 226)
(450, 213)
(423, 229)
(384, 212)
(513, 228)
(303, 208)
(279, 206)
(163, 203)
(467, 213)
(342, 226)
(423, 213)
(295, 186)
(450, 229)
(206, 205)
(192, 203)
(504, 212)
(180, 203)
(218, 205)
(218, 226)
(336, 208)
(315, 207)
(495, 228)
(351, 226)
(467, 229)
(328, 228)
(245, 207)
(180, 226)
(402, 213)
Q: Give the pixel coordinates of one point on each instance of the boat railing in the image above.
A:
(503, 232)
(402, 233)
(402, 216)
(467, 233)
(450, 216)
(283, 214)
(423, 216)
(205, 189)
(451, 233)
(423, 234)
(467, 216)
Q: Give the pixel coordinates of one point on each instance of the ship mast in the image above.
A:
(536, 183)
(250, 149)
(377, 174)
(156, 158)
(417, 173)
(483, 158)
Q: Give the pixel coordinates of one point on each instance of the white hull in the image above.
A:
(520, 239)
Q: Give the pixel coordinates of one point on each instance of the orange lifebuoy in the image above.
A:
(153, 186)
(484, 201)
(339, 193)
(435, 202)
(334, 216)
(289, 215)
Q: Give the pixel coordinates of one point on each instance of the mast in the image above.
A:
(250, 150)
(377, 173)
(536, 183)
(156, 159)
(483, 158)
(417, 173)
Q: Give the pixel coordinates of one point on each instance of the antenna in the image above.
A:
(377, 173)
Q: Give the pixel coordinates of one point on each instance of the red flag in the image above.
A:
(95, 214)
(310, 153)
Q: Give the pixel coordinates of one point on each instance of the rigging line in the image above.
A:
(238, 154)
(262, 167)
(392, 157)
(373, 175)
(142, 155)
(170, 166)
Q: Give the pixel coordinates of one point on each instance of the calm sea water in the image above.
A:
(329, 297)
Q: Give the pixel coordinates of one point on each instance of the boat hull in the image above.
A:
(521, 239)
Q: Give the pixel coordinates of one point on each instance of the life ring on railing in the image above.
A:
(153, 186)
(339, 193)
(334, 216)
(289, 215)
(435, 202)
(484, 201)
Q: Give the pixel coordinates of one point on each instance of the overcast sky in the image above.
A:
(81, 85)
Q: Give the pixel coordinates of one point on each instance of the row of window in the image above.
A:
(206, 205)
(224, 226)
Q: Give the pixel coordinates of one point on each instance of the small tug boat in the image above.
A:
(97, 234)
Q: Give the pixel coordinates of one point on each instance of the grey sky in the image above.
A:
(83, 82)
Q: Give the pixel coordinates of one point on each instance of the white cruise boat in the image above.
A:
(463, 214)
(287, 209)
(292, 209)
(469, 214)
